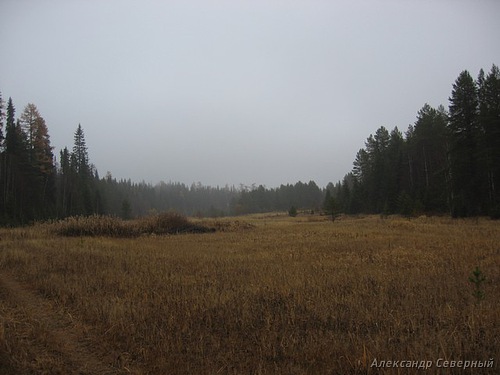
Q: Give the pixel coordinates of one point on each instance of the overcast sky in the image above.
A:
(264, 92)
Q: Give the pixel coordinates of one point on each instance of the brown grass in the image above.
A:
(110, 226)
(262, 295)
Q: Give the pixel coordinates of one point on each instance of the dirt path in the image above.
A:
(36, 337)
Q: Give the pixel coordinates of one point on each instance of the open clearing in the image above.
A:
(265, 294)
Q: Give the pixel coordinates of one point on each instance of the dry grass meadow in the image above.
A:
(264, 294)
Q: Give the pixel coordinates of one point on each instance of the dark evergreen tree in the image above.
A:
(10, 169)
(371, 169)
(427, 144)
(395, 171)
(126, 211)
(64, 187)
(466, 178)
(342, 192)
(331, 206)
(2, 118)
(489, 123)
(80, 153)
(17, 180)
(361, 173)
(11, 141)
(81, 176)
(2, 159)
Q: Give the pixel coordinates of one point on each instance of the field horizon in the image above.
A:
(263, 294)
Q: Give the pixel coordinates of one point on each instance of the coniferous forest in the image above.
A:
(447, 162)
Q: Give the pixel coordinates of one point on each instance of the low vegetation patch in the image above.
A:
(169, 223)
(110, 226)
(230, 225)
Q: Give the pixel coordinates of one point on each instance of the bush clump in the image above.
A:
(93, 226)
(170, 223)
(110, 226)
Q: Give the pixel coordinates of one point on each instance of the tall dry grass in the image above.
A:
(274, 295)
(111, 226)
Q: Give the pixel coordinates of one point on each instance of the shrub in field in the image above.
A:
(93, 226)
(109, 226)
(170, 223)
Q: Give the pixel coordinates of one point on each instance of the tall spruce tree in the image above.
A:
(361, 174)
(43, 163)
(489, 123)
(2, 117)
(64, 180)
(466, 179)
(9, 169)
(80, 153)
(377, 183)
(81, 175)
(2, 158)
(19, 190)
(395, 171)
(10, 128)
(427, 145)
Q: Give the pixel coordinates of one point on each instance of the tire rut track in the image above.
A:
(55, 337)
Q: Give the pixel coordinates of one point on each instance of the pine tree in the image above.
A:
(45, 168)
(18, 184)
(11, 142)
(2, 158)
(64, 188)
(9, 170)
(361, 173)
(2, 117)
(427, 145)
(464, 147)
(489, 122)
(330, 205)
(376, 169)
(2, 161)
(395, 170)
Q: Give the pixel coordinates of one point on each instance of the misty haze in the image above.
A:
(249, 187)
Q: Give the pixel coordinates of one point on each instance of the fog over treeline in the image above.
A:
(447, 162)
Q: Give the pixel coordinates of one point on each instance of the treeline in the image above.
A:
(34, 187)
(260, 199)
(128, 199)
(83, 192)
(447, 162)
(27, 173)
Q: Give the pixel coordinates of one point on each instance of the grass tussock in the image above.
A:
(290, 296)
(109, 226)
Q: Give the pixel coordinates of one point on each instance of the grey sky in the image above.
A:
(264, 92)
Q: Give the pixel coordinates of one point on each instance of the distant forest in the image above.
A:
(447, 162)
